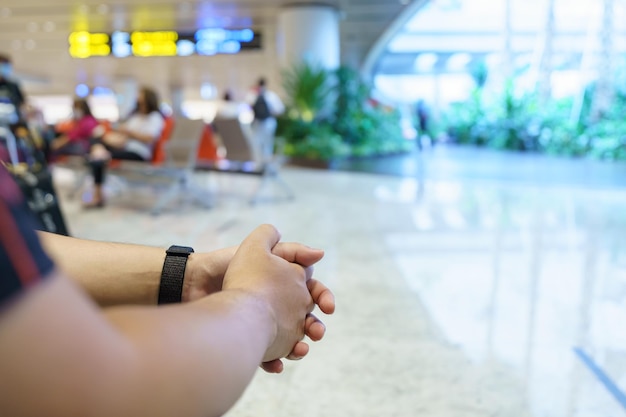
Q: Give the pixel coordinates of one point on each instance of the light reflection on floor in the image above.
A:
(522, 276)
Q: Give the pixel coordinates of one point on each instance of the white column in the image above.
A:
(126, 90)
(177, 97)
(308, 33)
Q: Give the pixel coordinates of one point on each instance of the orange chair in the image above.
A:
(64, 126)
(158, 156)
(207, 150)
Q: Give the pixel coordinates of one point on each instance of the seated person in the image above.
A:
(76, 140)
(132, 140)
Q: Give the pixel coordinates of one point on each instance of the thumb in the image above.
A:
(265, 236)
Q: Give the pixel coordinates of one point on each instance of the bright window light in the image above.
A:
(426, 62)
(450, 36)
(458, 62)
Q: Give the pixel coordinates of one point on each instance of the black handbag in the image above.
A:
(35, 181)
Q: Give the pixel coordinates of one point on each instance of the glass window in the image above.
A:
(431, 56)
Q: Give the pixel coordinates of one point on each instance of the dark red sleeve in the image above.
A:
(23, 263)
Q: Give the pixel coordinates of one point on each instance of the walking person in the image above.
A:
(266, 106)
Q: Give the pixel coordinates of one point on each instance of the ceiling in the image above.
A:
(35, 33)
(452, 36)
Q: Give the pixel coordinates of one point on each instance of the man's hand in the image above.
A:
(322, 297)
(313, 327)
(281, 285)
(205, 275)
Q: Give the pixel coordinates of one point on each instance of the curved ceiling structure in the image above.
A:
(444, 38)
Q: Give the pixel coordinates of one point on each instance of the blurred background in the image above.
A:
(460, 161)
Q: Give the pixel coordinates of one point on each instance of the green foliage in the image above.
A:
(377, 132)
(516, 125)
(329, 115)
(319, 142)
(313, 140)
(607, 139)
(352, 94)
(524, 123)
(480, 73)
(466, 122)
(309, 91)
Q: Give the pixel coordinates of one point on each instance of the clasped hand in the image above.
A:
(280, 274)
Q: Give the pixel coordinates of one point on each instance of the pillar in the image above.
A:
(126, 93)
(177, 97)
(308, 32)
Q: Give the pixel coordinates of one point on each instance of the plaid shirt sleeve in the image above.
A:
(23, 263)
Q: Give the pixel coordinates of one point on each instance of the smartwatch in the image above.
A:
(173, 274)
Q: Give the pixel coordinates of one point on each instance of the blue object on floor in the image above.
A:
(606, 380)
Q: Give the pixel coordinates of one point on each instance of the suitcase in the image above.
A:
(35, 181)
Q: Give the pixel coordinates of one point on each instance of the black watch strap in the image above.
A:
(173, 274)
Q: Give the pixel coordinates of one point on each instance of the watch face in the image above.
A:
(179, 250)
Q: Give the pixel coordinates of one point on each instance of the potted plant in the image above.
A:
(330, 117)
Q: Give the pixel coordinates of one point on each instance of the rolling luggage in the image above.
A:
(34, 179)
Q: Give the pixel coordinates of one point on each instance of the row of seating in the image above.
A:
(187, 146)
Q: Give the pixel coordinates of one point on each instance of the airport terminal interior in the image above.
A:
(468, 193)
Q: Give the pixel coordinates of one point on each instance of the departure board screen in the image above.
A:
(206, 42)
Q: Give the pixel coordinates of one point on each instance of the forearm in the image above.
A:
(111, 273)
(185, 360)
(121, 274)
(199, 357)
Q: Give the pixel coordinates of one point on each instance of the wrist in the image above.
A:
(201, 278)
(205, 273)
(190, 277)
(263, 316)
(252, 315)
(173, 274)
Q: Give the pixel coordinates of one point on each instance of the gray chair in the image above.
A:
(176, 174)
(247, 154)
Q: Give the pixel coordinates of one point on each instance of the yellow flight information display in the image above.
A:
(85, 44)
(154, 43)
(120, 44)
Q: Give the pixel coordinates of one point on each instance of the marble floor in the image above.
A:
(455, 297)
